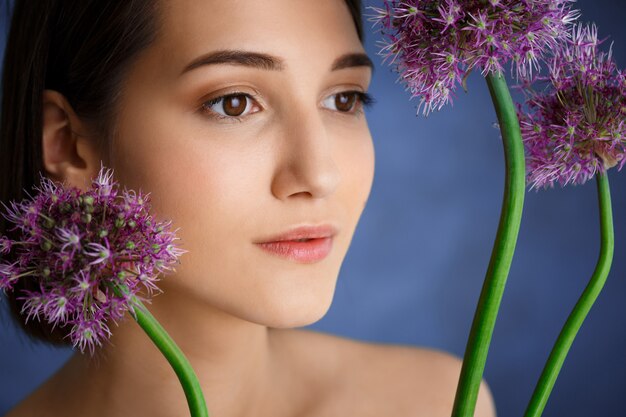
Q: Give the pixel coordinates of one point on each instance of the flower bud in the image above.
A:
(46, 245)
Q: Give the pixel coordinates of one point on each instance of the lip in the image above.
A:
(286, 244)
(302, 232)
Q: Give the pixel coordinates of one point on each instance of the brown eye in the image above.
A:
(349, 102)
(345, 101)
(234, 105)
(230, 106)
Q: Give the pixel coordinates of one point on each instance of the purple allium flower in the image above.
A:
(78, 246)
(576, 125)
(439, 42)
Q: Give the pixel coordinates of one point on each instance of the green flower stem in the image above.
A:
(173, 354)
(577, 316)
(502, 252)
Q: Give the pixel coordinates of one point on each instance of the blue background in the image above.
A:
(416, 265)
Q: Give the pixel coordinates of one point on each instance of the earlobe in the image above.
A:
(67, 155)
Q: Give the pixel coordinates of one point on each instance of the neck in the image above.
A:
(233, 359)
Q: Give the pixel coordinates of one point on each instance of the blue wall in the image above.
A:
(414, 271)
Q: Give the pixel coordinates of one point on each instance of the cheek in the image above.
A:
(208, 196)
(199, 181)
(357, 167)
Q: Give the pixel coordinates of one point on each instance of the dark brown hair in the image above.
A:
(82, 49)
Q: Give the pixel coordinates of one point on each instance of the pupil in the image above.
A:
(234, 106)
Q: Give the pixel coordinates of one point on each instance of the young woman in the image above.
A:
(244, 121)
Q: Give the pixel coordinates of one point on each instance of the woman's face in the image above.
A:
(298, 155)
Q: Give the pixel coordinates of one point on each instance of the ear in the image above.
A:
(69, 153)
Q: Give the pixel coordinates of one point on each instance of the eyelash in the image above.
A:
(364, 100)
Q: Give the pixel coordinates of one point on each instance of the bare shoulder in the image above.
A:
(384, 379)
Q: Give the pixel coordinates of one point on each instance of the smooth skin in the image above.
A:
(294, 159)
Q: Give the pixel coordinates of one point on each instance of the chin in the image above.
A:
(296, 310)
(301, 317)
(289, 298)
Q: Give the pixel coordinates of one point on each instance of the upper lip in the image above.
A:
(302, 232)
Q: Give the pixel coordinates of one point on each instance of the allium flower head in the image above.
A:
(439, 42)
(576, 125)
(77, 246)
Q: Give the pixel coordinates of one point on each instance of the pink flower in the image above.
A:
(79, 246)
(574, 126)
(437, 43)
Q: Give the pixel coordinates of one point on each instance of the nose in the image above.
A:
(306, 165)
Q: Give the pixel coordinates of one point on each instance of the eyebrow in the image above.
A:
(269, 62)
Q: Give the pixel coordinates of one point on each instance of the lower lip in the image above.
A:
(313, 250)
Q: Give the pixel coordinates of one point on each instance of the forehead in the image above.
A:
(301, 31)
